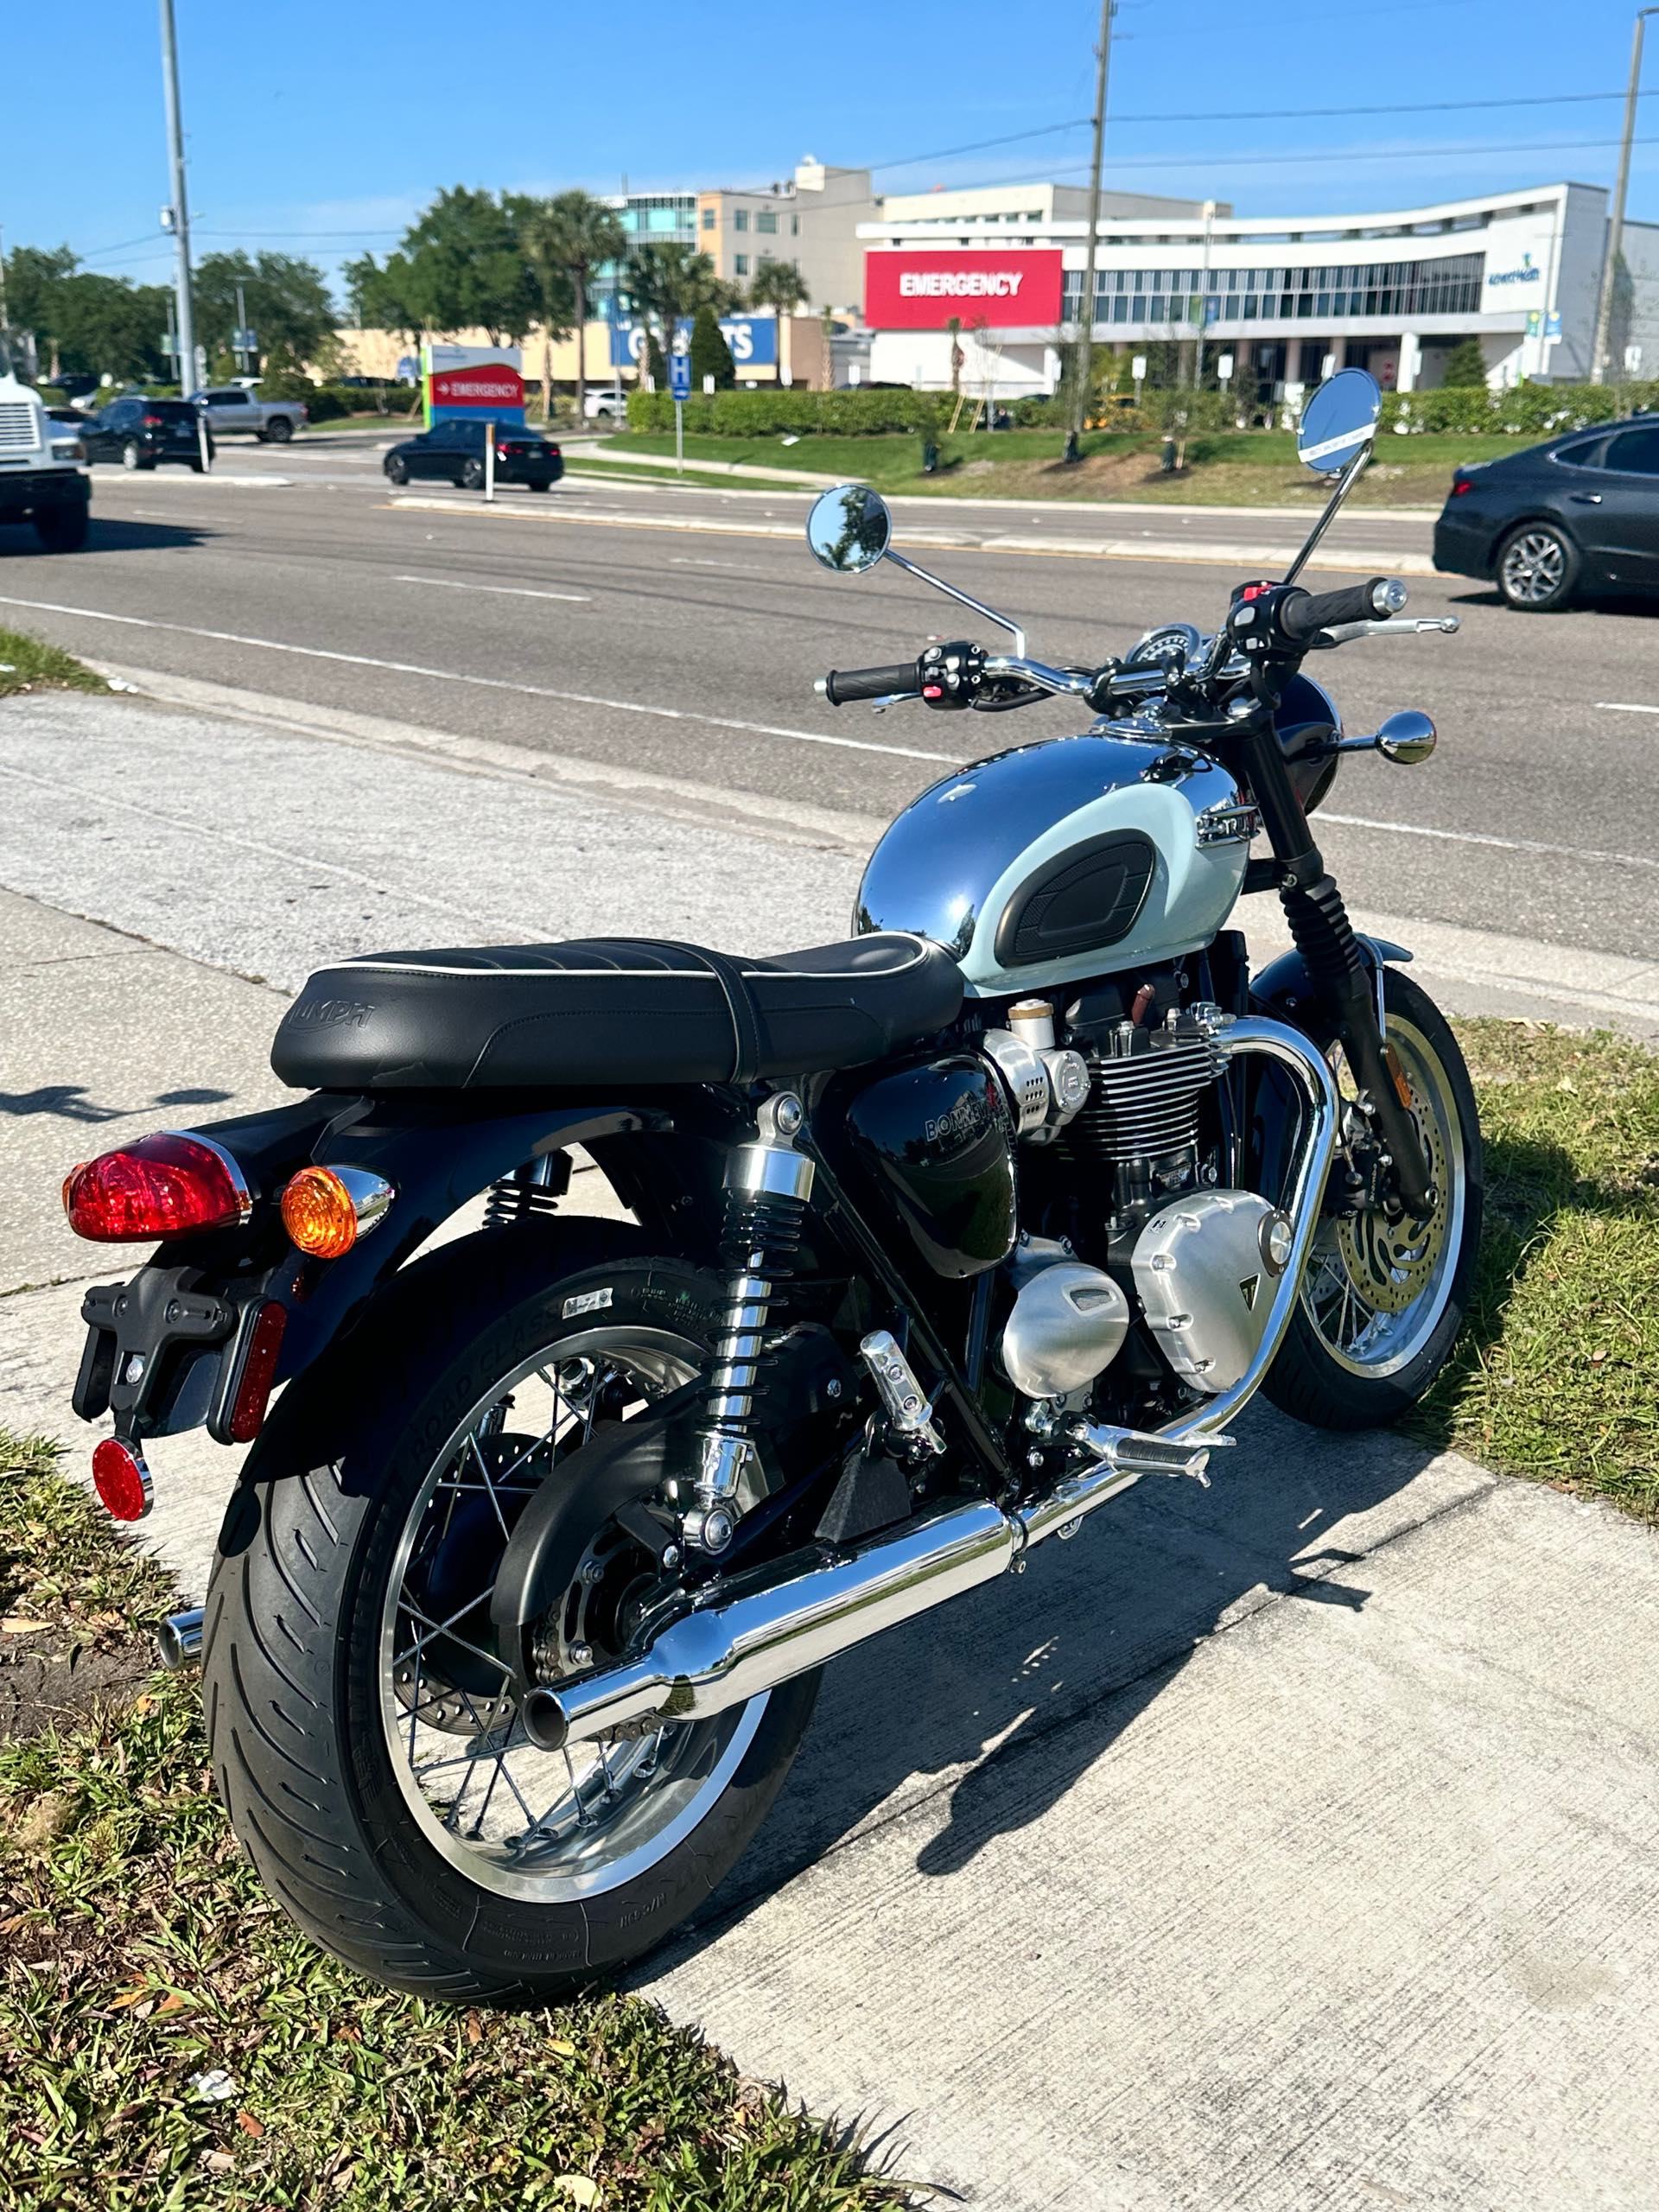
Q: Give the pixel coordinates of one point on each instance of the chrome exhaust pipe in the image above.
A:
(178, 1640)
(786, 1622)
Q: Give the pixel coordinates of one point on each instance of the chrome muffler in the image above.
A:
(178, 1640)
(787, 1621)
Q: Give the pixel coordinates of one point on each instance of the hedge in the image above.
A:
(770, 414)
(1535, 410)
(328, 401)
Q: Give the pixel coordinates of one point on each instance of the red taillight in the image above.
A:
(553, 452)
(153, 422)
(248, 1412)
(164, 1185)
(1461, 485)
(121, 1479)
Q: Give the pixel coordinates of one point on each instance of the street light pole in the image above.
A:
(1601, 346)
(1086, 326)
(180, 211)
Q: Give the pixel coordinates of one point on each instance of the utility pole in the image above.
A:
(1203, 296)
(1600, 348)
(180, 212)
(1086, 329)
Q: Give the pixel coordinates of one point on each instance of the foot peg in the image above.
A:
(1130, 1453)
(910, 1417)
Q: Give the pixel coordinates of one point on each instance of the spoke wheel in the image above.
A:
(550, 1827)
(1537, 568)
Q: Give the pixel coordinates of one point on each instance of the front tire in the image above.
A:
(1538, 569)
(367, 1760)
(397, 470)
(471, 476)
(1382, 1302)
(62, 530)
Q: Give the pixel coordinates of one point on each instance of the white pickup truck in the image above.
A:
(41, 478)
(233, 407)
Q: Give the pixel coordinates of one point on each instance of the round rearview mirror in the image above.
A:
(848, 529)
(1338, 420)
(1407, 738)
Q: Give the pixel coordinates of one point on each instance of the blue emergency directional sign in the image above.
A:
(679, 375)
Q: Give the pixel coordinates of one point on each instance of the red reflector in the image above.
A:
(164, 1185)
(121, 1479)
(252, 1392)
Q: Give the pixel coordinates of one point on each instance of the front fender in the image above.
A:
(1285, 991)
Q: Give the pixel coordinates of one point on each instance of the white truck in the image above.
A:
(41, 477)
(233, 407)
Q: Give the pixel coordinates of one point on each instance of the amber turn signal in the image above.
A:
(326, 1209)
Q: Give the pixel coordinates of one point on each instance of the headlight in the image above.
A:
(68, 449)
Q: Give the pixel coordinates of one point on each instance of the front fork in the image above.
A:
(1336, 968)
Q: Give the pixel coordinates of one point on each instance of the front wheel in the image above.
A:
(471, 476)
(396, 469)
(62, 530)
(1383, 1300)
(361, 1715)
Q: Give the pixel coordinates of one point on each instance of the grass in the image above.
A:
(138, 1952)
(30, 664)
(639, 473)
(1554, 1377)
(1257, 468)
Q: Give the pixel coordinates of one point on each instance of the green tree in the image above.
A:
(382, 296)
(542, 236)
(656, 362)
(587, 235)
(778, 285)
(1466, 363)
(34, 278)
(288, 301)
(464, 267)
(711, 355)
(669, 284)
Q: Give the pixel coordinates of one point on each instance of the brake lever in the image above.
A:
(1342, 634)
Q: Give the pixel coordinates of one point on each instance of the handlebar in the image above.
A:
(1303, 616)
(844, 685)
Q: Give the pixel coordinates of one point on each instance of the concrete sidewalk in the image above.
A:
(1289, 1845)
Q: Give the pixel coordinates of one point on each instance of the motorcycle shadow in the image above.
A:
(975, 1721)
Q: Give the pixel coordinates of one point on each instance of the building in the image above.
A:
(1285, 298)
(1020, 207)
(647, 219)
(814, 220)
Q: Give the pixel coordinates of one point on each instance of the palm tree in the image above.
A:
(671, 283)
(541, 240)
(588, 235)
(777, 285)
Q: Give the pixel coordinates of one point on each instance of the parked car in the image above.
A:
(1576, 516)
(234, 407)
(140, 432)
(73, 415)
(610, 405)
(455, 452)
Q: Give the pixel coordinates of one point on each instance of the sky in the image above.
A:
(322, 133)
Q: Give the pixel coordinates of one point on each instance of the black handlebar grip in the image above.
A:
(844, 685)
(1303, 617)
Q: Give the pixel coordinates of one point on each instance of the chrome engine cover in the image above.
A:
(1206, 1269)
(1068, 1323)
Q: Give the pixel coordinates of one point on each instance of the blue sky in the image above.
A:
(325, 142)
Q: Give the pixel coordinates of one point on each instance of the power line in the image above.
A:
(1210, 159)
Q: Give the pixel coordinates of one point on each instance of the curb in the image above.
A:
(1218, 554)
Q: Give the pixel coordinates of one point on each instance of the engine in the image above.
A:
(1122, 1151)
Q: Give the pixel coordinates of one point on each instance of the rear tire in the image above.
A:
(308, 1696)
(62, 530)
(1538, 568)
(279, 431)
(134, 458)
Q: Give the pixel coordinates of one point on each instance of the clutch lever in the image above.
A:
(1342, 634)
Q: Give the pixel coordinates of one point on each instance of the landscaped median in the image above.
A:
(30, 664)
(172, 2043)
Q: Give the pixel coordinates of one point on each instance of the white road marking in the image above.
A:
(1619, 707)
(484, 683)
(500, 591)
(1502, 844)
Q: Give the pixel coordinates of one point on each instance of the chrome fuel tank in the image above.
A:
(1069, 858)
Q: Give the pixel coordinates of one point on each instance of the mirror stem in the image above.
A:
(1344, 484)
(925, 575)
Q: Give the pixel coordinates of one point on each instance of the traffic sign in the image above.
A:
(679, 375)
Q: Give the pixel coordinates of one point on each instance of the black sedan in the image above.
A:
(139, 432)
(454, 452)
(1577, 516)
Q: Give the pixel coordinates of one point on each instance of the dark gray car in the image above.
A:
(1577, 516)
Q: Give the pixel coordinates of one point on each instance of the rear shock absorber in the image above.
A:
(768, 1183)
(535, 1188)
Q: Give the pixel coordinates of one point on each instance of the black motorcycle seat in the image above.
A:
(610, 1010)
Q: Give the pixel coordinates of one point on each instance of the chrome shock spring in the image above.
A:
(768, 1185)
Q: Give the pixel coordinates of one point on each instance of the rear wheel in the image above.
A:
(133, 456)
(361, 1714)
(1383, 1300)
(1537, 568)
(279, 430)
(62, 530)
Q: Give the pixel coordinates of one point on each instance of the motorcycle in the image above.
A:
(941, 1238)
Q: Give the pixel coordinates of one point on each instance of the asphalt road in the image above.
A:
(676, 634)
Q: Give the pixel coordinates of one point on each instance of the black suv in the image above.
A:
(1577, 515)
(139, 432)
